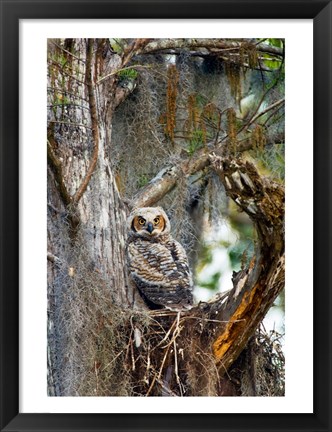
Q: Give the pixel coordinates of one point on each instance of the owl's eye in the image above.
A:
(156, 220)
(141, 221)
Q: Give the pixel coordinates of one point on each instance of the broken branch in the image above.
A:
(256, 287)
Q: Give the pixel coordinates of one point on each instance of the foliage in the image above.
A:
(129, 73)
(196, 141)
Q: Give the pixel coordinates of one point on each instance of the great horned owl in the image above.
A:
(157, 263)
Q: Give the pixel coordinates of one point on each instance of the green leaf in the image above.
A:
(128, 74)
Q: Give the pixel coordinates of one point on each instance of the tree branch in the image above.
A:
(269, 49)
(256, 287)
(277, 104)
(167, 179)
(121, 93)
(217, 45)
(66, 51)
(203, 54)
(136, 48)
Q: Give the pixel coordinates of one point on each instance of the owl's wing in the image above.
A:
(161, 272)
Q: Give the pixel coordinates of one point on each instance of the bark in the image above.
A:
(82, 186)
(216, 46)
(256, 287)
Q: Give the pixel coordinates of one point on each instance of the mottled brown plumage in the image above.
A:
(157, 263)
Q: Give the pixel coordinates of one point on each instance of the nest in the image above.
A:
(105, 350)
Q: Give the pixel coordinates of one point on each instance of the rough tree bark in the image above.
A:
(87, 230)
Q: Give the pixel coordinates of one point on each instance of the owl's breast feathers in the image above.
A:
(161, 272)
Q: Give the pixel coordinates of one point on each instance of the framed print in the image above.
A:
(181, 205)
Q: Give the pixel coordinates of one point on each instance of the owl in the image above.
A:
(157, 263)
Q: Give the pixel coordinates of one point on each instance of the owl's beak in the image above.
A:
(150, 227)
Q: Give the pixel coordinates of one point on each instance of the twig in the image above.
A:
(167, 334)
(67, 104)
(65, 92)
(267, 91)
(66, 73)
(97, 380)
(113, 360)
(70, 124)
(176, 333)
(269, 108)
(226, 371)
(163, 362)
(176, 371)
(151, 385)
(128, 345)
(64, 65)
(132, 355)
(68, 52)
(55, 209)
(212, 320)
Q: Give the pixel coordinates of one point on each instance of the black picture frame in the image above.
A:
(11, 12)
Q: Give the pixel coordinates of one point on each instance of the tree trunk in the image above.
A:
(86, 216)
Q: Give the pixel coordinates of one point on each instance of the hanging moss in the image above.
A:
(233, 73)
(258, 138)
(172, 91)
(193, 112)
(248, 54)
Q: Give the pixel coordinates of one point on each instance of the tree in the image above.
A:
(168, 121)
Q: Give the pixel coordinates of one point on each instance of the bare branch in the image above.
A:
(66, 51)
(217, 45)
(167, 179)
(277, 104)
(137, 47)
(269, 49)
